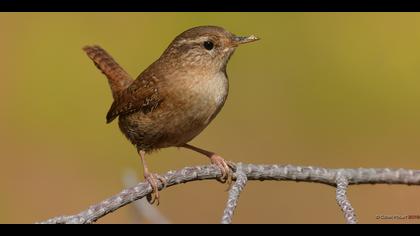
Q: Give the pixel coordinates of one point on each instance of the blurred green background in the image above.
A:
(323, 89)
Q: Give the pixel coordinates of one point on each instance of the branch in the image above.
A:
(252, 172)
(143, 208)
(234, 193)
(343, 202)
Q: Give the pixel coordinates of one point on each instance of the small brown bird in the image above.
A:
(176, 97)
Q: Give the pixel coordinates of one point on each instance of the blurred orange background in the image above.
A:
(324, 89)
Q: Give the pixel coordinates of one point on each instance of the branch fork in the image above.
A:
(338, 178)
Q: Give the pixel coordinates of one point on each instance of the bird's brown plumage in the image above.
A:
(118, 78)
(176, 97)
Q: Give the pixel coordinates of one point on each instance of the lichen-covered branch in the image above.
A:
(252, 172)
(343, 202)
(144, 209)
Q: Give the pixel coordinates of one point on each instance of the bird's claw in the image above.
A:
(153, 181)
(225, 168)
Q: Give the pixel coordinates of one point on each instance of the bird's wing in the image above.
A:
(142, 95)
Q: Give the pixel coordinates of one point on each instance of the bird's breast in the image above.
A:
(209, 90)
(196, 101)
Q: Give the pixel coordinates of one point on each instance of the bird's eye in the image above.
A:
(208, 45)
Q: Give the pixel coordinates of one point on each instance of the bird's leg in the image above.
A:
(152, 179)
(225, 167)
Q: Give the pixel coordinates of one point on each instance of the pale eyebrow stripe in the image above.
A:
(198, 40)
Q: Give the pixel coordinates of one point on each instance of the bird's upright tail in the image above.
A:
(118, 78)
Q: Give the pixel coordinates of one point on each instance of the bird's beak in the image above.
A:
(243, 39)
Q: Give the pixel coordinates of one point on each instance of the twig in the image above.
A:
(253, 172)
(343, 202)
(234, 193)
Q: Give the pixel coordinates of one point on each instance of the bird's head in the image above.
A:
(205, 47)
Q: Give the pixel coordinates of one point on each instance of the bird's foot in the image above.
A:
(225, 167)
(153, 181)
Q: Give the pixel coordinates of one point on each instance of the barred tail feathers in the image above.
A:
(118, 78)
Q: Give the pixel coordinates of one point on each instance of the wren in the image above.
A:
(176, 97)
